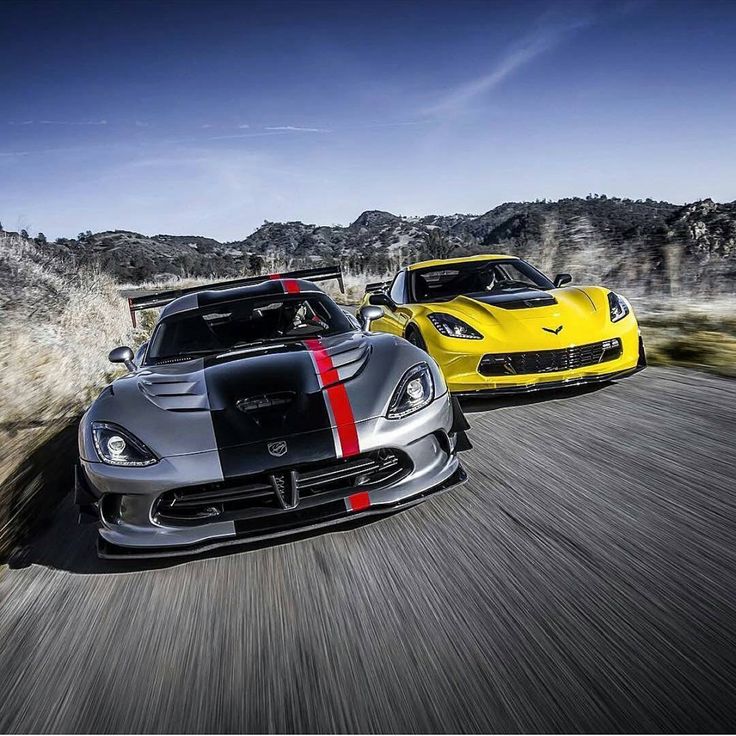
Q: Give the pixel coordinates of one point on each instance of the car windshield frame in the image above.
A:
(338, 324)
(542, 283)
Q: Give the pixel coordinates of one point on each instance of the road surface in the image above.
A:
(583, 580)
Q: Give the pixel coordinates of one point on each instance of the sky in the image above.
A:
(208, 118)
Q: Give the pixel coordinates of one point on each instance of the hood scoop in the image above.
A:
(182, 392)
(527, 299)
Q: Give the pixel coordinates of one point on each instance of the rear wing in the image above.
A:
(377, 286)
(162, 298)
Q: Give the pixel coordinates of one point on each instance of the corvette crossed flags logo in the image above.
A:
(554, 332)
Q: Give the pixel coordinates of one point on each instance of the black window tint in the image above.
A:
(239, 323)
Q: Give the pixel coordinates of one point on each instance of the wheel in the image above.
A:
(415, 337)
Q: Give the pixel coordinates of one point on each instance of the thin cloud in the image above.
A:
(297, 129)
(22, 122)
(243, 125)
(522, 53)
(141, 124)
(72, 122)
(246, 135)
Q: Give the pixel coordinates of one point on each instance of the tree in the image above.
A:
(437, 244)
(41, 239)
(24, 233)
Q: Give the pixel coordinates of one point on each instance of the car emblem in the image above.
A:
(286, 488)
(554, 332)
(277, 449)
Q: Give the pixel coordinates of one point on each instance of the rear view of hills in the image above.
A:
(642, 245)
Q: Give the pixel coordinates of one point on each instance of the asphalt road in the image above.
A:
(583, 580)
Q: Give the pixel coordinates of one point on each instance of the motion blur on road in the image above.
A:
(583, 579)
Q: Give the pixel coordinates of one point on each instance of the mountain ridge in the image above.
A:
(643, 245)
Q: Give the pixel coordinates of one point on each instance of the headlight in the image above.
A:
(115, 446)
(618, 305)
(415, 391)
(451, 326)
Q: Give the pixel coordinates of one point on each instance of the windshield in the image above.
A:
(473, 277)
(246, 322)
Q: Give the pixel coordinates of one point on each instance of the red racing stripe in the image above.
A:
(291, 286)
(358, 501)
(338, 399)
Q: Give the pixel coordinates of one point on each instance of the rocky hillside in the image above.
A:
(641, 245)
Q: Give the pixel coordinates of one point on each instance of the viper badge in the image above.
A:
(277, 449)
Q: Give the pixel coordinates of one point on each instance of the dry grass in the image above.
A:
(698, 335)
(55, 331)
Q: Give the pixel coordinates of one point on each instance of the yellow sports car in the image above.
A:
(496, 324)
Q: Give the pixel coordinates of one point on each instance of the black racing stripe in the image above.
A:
(242, 437)
(302, 448)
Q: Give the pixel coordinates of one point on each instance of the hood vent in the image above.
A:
(527, 299)
(348, 359)
(183, 392)
(265, 401)
(542, 301)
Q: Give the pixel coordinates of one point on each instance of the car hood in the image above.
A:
(253, 396)
(529, 318)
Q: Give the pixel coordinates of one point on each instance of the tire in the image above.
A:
(414, 336)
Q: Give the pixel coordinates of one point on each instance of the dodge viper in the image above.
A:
(259, 407)
(495, 324)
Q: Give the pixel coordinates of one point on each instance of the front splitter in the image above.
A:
(547, 385)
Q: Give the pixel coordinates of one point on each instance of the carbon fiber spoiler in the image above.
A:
(162, 298)
(376, 286)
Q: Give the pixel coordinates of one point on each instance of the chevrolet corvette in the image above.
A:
(258, 408)
(495, 324)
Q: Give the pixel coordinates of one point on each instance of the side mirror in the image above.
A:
(122, 355)
(381, 299)
(561, 279)
(367, 314)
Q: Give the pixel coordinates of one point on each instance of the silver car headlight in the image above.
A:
(618, 305)
(450, 326)
(116, 446)
(414, 392)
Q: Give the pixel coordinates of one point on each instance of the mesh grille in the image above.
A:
(550, 361)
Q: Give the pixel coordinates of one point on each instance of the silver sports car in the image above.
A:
(259, 408)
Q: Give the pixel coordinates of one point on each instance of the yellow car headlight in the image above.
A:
(450, 326)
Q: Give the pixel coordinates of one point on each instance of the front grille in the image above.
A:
(550, 361)
(270, 491)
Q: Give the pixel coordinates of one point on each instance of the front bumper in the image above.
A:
(125, 500)
(462, 371)
(332, 514)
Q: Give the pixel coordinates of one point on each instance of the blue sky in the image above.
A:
(211, 117)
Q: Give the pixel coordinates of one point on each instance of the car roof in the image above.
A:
(463, 259)
(213, 297)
